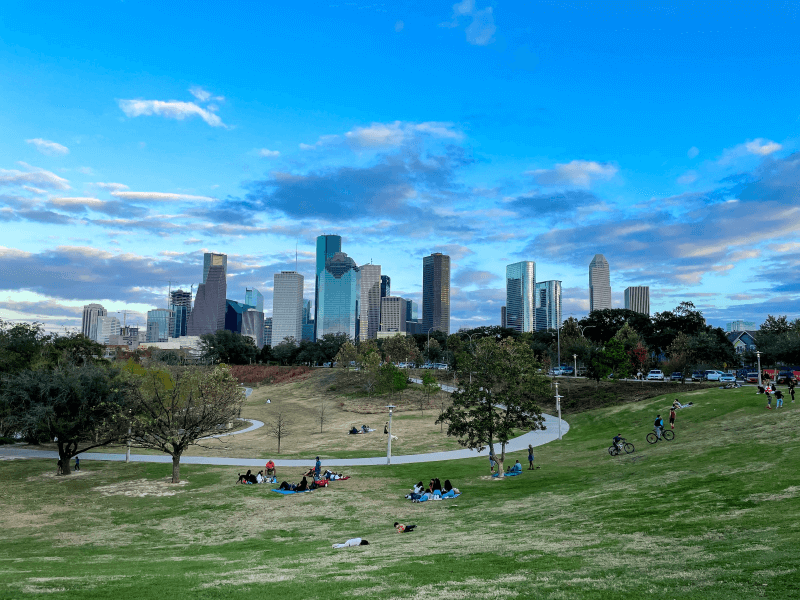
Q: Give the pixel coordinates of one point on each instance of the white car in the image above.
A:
(655, 374)
(727, 378)
(713, 375)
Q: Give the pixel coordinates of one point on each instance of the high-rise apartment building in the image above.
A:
(89, 320)
(106, 328)
(287, 307)
(637, 299)
(211, 259)
(386, 286)
(339, 296)
(327, 246)
(599, 283)
(158, 322)
(252, 297)
(436, 292)
(393, 314)
(520, 297)
(268, 331)
(548, 305)
(369, 320)
(740, 325)
(208, 313)
(180, 303)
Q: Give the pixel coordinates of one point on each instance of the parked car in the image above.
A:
(697, 376)
(555, 372)
(785, 377)
(655, 374)
(752, 377)
(713, 375)
(676, 376)
(727, 378)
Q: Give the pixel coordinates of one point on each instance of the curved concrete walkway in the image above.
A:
(254, 424)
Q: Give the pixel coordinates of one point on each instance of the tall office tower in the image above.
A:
(233, 315)
(339, 297)
(393, 313)
(740, 325)
(287, 307)
(599, 283)
(637, 299)
(308, 321)
(502, 316)
(520, 297)
(252, 297)
(89, 321)
(436, 292)
(327, 246)
(208, 313)
(210, 260)
(180, 303)
(369, 319)
(268, 331)
(106, 327)
(548, 305)
(386, 286)
(412, 310)
(161, 317)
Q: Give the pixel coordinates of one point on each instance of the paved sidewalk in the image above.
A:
(534, 438)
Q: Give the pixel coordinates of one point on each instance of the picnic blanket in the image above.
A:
(511, 474)
(287, 492)
(427, 497)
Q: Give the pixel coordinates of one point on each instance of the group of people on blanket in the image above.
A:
(434, 491)
(257, 478)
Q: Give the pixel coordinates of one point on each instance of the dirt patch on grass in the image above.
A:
(52, 475)
(142, 487)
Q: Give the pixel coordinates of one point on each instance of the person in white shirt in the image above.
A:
(352, 542)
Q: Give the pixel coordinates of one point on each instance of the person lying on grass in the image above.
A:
(404, 528)
(352, 542)
(296, 487)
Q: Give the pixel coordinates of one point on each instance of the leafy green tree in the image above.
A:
(175, 409)
(502, 397)
(429, 387)
(78, 407)
(229, 347)
(21, 345)
(329, 345)
(286, 352)
(611, 359)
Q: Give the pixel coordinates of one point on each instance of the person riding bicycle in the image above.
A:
(659, 425)
(618, 442)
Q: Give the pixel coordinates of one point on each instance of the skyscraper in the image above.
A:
(369, 320)
(327, 246)
(287, 307)
(436, 292)
(386, 286)
(211, 259)
(106, 327)
(599, 283)
(637, 299)
(740, 325)
(339, 296)
(520, 297)
(252, 297)
(158, 321)
(253, 325)
(502, 316)
(548, 305)
(89, 321)
(268, 331)
(208, 314)
(393, 313)
(180, 304)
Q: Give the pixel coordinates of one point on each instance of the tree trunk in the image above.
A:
(176, 468)
(499, 461)
(64, 456)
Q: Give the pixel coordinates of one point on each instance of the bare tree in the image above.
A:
(279, 428)
(177, 408)
(442, 404)
(322, 416)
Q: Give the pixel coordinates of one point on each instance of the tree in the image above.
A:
(347, 354)
(400, 348)
(429, 387)
(78, 407)
(329, 345)
(442, 404)
(369, 363)
(175, 408)
(229, 347)
(286, 351)
(322, 417)
(20, 345)
(501, 398)
(279, 428)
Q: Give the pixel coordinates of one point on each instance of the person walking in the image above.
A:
(530, 457)
(791, 391)
(778, 399)
(77, 463)
(492, 463)
(672, 418)
(768, 392)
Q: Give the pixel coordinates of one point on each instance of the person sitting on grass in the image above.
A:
(271, 468)
(260, 477)
(404, 528)
(303, 486)
(515, 468)
(354, 431)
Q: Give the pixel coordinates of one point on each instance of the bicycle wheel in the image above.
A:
(628, 447)
(612, 450)
(651, 438)
(668, 435)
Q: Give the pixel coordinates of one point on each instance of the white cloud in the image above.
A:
(160, 197)
(398, 26)
(762, 146)
(480, 32)
(49, 148)
(394, 134)
(693, 152)
(36, 177)
(85, 170)
(114, 187)
(264, 153)
(33, 190)
(69, 202)
(687, 178)
(578, 172)
(203, 95)
(171, 110)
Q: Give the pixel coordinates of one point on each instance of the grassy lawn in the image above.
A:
(711, 515)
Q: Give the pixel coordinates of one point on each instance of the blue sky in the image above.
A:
(133, 137)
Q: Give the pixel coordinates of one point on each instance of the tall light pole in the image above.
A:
(575, 365)
(585, 328)
(558, 406)
(758, 356)
(391, 407)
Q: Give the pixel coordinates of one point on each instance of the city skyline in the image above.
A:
(119, 169)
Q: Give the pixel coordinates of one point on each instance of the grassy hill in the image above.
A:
(711, 515)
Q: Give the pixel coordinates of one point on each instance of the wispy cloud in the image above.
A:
(762, 147)
(49, 148)
(481, 29)
(114, 187)
(160, 197)
(34, 176)
(204, 95)
(77, 202)
(265, 153)
(581, 173)
(172, 109)
(388, 135)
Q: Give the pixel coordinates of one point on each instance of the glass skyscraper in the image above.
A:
(181, 307)
(599, 283)
(252, 297)
(338, 296)
(89, 321)
(436, 292)
(520, 297)
(548, 305)
(327, 246)
(158, 321)
(386, 286)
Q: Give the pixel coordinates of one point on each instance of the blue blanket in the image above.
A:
(427, 497)
(511, 474)
(286, 492)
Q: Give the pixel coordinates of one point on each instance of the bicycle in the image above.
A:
(666, 434)
(627, 446)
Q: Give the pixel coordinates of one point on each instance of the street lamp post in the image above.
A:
(758, 356)
(558, 406)
(391, 407)
(575, 365)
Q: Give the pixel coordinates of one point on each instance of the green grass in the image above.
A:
(711, 515)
